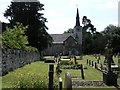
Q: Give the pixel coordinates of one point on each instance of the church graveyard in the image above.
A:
(92, 77)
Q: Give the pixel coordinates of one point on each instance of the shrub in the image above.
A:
(67, 62)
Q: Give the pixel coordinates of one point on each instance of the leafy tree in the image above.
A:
(112, 33)
(87, 25)
(98, 42)
(16, 38)
(70, 30)
(87, 43)
(29, 14)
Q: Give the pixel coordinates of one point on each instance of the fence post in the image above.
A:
(60, 83)
(68, 81)
(51, 72)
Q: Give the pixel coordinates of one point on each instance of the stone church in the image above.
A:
(68, 43)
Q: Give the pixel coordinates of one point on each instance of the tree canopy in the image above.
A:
(29, 13)
(16, 38)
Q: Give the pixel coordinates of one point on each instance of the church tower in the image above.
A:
(78, 31)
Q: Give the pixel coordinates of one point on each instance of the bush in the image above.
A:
(66, 62)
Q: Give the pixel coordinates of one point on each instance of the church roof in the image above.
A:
(60, 38)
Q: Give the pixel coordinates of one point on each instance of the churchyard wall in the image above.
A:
(14, 58)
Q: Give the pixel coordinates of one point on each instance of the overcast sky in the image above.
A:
(61, 14)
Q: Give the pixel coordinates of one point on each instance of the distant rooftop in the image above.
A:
(60, 38)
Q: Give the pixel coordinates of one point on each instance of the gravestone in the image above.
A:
(75, 60)
(92, 64)
(87, 61)
(119, 67)
(95, 65)
(68, 81)
(51, 73)
(109, 77)
(82, 72)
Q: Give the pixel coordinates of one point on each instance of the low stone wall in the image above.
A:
(14, 58)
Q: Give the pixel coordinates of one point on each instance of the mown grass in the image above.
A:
(90, 72)
(35, 75)
(0, 83)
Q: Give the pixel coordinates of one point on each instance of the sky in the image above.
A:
(61, 14)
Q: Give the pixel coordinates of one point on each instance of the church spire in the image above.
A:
(77, 18)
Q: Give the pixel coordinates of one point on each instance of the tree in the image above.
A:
(112, 33)
(16, 38)
(87, 25)
(70, 30)
(29, 14)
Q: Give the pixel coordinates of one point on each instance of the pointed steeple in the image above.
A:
(77, 18)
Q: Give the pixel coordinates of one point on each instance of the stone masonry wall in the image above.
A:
(13, 59)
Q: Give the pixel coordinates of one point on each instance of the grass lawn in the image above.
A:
(29, 76)
(0, 83)
(35, 75)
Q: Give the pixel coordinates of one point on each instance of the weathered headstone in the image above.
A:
(108, 76)
(68, 81)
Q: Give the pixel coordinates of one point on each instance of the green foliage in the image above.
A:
(70, 30)
(15, 37)
(112, 33)
(29, 14)
(71, 62)
(70, 66)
